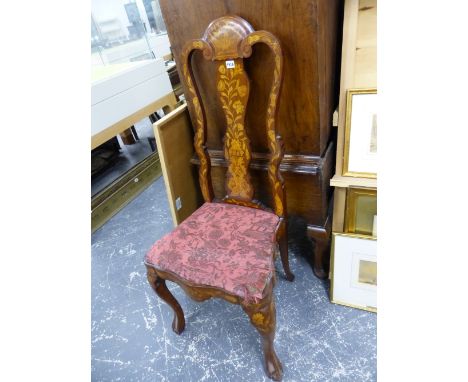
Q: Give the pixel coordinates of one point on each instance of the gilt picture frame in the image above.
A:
(360, 146)
(360, 210)
(353, 273)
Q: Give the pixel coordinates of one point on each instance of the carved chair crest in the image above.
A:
(227, 41)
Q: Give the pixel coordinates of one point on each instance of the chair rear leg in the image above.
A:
(159, 286)
(283, 247)
(263, 317)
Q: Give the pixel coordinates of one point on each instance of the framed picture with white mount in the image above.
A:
(353, 272)
(360, 146)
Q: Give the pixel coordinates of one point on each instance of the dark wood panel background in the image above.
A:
(310, 36)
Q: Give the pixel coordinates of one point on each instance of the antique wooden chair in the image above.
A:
(226, 248)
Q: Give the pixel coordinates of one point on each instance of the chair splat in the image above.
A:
(233, 91)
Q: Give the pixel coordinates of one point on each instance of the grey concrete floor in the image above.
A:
(132, 339)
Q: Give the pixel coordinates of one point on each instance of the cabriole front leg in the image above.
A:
(263, 317)
(159, 286)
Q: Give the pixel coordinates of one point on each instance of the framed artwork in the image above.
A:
(361, 209)
(360, 149)
(354, 271)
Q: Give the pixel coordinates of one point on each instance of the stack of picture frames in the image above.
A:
(354, 255)
(353, 272)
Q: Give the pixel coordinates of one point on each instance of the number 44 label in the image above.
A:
(230, 64)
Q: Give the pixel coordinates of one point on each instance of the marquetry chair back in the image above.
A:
(227, 41)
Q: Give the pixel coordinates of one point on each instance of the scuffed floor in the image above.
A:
(132, 339)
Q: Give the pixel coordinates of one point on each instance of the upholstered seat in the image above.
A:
(221, 245)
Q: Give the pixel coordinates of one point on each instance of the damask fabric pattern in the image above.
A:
(221, 245)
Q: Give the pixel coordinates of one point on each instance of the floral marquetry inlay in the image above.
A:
(258, 318)
(233, 89)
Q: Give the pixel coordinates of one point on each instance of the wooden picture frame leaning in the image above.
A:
(355, 149)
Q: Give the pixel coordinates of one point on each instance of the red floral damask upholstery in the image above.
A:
(221, 245)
